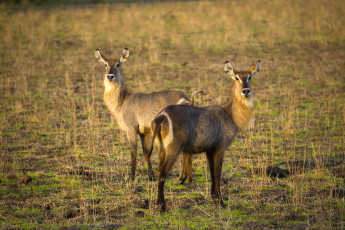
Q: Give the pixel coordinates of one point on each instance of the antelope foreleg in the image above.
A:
(215, 161)
(132, 138)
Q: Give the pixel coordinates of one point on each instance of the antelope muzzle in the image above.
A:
(111, 77)
(246, 92)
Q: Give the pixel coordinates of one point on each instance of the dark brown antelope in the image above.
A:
(210, 129)
(134, 111)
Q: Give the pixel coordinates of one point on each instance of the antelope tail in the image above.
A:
(155, 127)
(193, 95)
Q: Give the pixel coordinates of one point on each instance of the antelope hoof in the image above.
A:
(219, 201)
(189, 180)
(186, 179)
(151, 177)
(182, 179)
(162, 206)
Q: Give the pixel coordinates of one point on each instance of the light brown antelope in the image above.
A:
(210, 129)
(134, 111)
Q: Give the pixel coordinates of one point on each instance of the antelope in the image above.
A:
(211, 129)
(134, 111)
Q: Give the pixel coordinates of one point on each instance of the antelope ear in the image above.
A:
(228, 69)
(255, 68)
(100, 57)
(124, 55)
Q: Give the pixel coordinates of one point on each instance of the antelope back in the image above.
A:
(146, 106)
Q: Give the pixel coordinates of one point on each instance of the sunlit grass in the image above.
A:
(56, 130)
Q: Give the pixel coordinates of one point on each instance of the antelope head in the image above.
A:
(242, 81)
(113, 71)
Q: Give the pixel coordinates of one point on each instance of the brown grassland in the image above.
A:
(65, 164)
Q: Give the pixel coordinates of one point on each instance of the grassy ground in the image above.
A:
(65, 164)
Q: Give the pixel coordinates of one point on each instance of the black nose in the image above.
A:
(246, 91)
(110, 77)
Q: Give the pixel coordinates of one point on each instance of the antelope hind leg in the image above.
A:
(165, 165)
(186, 172)
(145, 142)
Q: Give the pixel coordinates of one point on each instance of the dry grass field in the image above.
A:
(64, 163)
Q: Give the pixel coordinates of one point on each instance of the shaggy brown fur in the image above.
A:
(134, 111)
(211, 129)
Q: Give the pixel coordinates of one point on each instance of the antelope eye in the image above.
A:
(237, 79)
(250, 78)
(118, 64)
